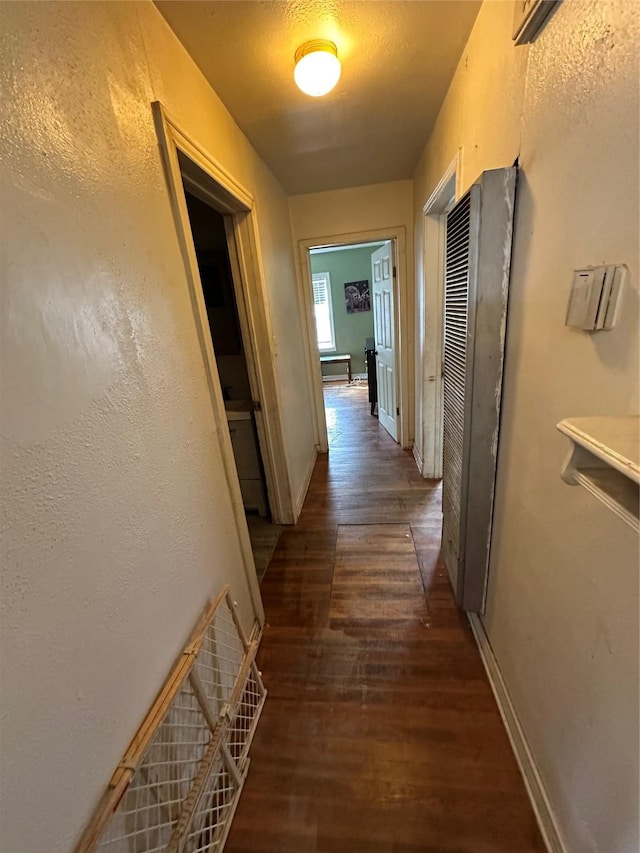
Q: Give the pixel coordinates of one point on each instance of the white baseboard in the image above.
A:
(342, 377)
(526, 762)
(418, 458)
(302, 492)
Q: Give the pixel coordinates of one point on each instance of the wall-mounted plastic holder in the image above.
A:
(529, 17)
(604, 459)
(596, 297)
(177, 786)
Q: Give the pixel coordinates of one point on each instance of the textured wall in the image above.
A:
(350, 329)
(562, 612)
(354, 210)
(117, 523)
(480, 117)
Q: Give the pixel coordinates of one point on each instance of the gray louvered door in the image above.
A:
(477, 267)
(457, 305)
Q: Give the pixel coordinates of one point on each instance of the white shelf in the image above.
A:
(605, 460)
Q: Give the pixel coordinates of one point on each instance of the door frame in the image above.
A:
(185, 159)
(402, 325)
(446, 192)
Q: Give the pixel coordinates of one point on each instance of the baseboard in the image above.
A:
(302, 492)
(342, 377)
(524, 757)
(418, 458)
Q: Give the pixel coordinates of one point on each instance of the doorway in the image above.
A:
(189, 167)
(325, 360)
(352, 292)
(219, 291)
(429, 444)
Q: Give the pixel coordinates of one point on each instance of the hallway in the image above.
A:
(380, 733)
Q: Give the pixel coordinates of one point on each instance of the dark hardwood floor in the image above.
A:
(380, 733)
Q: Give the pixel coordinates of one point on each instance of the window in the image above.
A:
(323, 311)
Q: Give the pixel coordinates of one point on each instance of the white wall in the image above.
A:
(489, 82)
(354, 210)
(562, 612)
(117, 521)
(349, 211)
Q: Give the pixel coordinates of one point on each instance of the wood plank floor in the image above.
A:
(380, 733)
(264, 537)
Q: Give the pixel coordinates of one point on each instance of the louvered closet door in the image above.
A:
(456, 366)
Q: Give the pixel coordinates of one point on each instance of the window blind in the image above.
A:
(323, 311)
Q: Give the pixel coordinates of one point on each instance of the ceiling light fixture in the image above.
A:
(317, 67)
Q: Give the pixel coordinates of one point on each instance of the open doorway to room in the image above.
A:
(193, 177)
(344, 325)
(220, 298)
(355, 327)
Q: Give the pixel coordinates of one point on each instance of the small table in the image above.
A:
(337, 359)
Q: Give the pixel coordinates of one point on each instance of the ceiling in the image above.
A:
(397, 58)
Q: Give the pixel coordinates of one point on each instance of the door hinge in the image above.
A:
(394, 272)
(398, 411)
(257, 405)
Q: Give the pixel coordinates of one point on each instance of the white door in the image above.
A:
(384, 334)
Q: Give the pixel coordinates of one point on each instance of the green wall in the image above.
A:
(350, 329)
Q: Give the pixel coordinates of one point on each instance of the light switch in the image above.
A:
(595, 299)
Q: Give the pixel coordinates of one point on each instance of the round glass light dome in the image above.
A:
(317, 67)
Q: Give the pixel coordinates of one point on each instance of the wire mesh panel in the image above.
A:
(177, 785)
(210, 825)
(245, 720)
(151, 806)
(220, 658)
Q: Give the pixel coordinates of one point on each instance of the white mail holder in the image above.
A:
(596, 297)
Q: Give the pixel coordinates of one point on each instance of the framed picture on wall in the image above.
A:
(356, 296)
